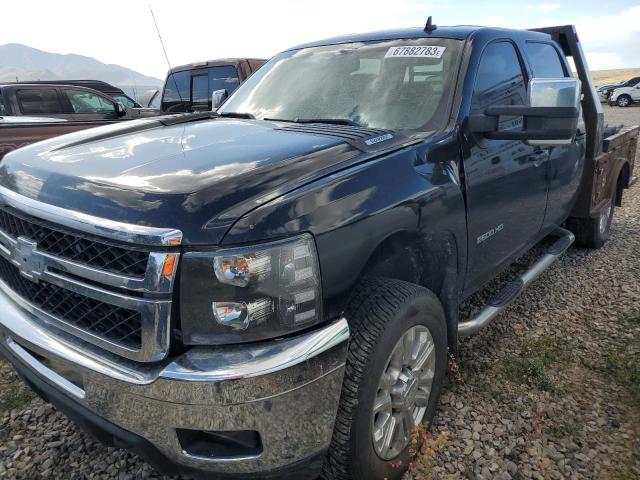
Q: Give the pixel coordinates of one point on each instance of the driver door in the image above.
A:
(506, 179)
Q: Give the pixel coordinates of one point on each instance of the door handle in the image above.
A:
(538, 157)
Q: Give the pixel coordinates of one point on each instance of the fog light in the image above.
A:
(220, 444)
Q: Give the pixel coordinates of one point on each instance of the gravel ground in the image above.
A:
(551, 389)
(618, 116)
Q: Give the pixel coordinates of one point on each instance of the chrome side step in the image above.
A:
(511, 290)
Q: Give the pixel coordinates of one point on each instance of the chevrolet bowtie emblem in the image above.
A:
(27, 260)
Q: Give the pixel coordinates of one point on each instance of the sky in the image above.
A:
(196, 30)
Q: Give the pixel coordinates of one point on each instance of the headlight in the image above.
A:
(250, 293)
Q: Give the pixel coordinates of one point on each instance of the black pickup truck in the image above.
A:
(272, 290)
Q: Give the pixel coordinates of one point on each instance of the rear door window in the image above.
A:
(40, 101)
(2, 110)
(544, 60)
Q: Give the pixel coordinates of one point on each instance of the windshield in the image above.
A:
(397, 85)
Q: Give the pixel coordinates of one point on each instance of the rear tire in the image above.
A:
(380, 383)
(593, 232)
(623, 101)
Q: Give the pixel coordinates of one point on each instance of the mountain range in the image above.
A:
(27, 63)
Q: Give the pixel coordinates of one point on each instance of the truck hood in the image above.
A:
(197, 176)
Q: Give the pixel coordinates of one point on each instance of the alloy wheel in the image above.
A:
(403, 392)
(623, 101)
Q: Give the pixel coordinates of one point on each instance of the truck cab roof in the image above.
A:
(457, 32)
(98, 85)
(214, 63)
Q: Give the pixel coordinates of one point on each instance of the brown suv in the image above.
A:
(60, 101)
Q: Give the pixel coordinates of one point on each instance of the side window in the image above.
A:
(126, 101)
(633, 82)
(2, 110)
(176, 88)
(83, 101)
(545, 61)
(41, 101)
(200, 89)
(223, 78)
(500, 81)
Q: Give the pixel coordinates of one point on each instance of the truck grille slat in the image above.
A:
(90, 279)
(116, 324)
(75, 246)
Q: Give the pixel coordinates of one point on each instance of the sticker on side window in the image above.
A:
(420, 52)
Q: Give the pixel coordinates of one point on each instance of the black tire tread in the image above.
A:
(372, 304)
(587, 231)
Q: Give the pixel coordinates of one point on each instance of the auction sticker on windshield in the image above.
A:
(422, 52)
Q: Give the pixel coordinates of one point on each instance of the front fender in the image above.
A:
(350, 213)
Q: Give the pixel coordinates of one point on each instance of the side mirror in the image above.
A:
(121, 110)
(551, 118)
(217, 98)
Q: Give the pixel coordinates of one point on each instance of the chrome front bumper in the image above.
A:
(286, 390)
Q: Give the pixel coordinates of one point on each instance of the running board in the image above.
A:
(512, 289)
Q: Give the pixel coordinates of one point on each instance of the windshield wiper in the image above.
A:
(279, 120)
(237, 115)
(335, 121)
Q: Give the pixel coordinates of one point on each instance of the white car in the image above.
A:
(625, 96)
(604, 91)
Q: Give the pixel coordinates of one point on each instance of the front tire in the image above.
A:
(623, 101)
(393, 377)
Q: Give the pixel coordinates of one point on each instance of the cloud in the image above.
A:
(263, 28)
(610, 41)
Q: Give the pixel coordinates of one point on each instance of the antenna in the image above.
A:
(430, 27)
(165, 53)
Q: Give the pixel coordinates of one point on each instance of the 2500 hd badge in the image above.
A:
(489, 234)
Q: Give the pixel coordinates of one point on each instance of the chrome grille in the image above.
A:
(74, 246)
(119, 325)
(104, 282)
